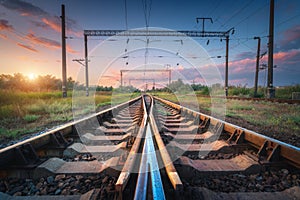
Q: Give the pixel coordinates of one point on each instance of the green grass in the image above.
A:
(282, 118)
(16, 133)
(30, 118)
(230, 114)
(238, 105)
(22, 113)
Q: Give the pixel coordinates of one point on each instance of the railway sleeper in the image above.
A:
(186, 138)
(90, 139)
(187, 167)
(55, 166)
(166, 120)
(79, 148)
(116, 125)
(178, 149)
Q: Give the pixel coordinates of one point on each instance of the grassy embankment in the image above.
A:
(22, 113)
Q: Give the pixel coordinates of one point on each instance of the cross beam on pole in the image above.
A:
(156, 33)
(140, 79)
(145, 70)
(80, 61)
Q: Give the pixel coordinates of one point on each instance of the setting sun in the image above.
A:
(31, 76)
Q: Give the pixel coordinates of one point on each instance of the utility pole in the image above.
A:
(257, 65)
(63, 47)
(271, 89)
(121, 79)
(170, 77)
(86, 66)
(226, 66)
(226, 60)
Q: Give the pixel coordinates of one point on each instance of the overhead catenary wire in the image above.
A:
(237, 13)
(126, 15)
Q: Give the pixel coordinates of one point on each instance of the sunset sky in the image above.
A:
(31, 41)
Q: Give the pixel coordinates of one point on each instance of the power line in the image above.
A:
(147, 11)
(126, 17)
(237, 13)
(252, 14)
(289, 19)
(215, 7)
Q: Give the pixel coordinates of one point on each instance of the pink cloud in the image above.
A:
(70, 50)
(292, 34)
(27, 47)
(290, 38)
(286, 56)
(55, 24)
(5, 26)
(52, 23)
(48, 43)
(3, 36)
(43, 41)
(241, 66)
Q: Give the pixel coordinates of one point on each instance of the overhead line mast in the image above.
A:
(63, 46)
(271, 89)
(166, 33)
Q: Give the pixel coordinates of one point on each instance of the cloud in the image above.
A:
(39, 24)
(24, 8)
(48, 21)
(243, 55)
(27, 47)
(291, 39)
(47, 43)
(42, 41)
(70, 50)
(53, 23)
(287, 59)
(4, 25)
(3, 36)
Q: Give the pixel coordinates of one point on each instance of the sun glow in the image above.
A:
(31, 76)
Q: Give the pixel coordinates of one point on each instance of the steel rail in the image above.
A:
(289, 152)
(37, 142)
(275, 100)
(170, 169)
(131, 163)
(66, 128)
(149, 164)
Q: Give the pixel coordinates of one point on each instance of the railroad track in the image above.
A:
(150, 148)
(287, 101)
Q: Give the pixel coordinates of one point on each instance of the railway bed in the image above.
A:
(150, 148)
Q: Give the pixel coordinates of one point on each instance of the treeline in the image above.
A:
(179, 86)
(19, 82)
(46, 83)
